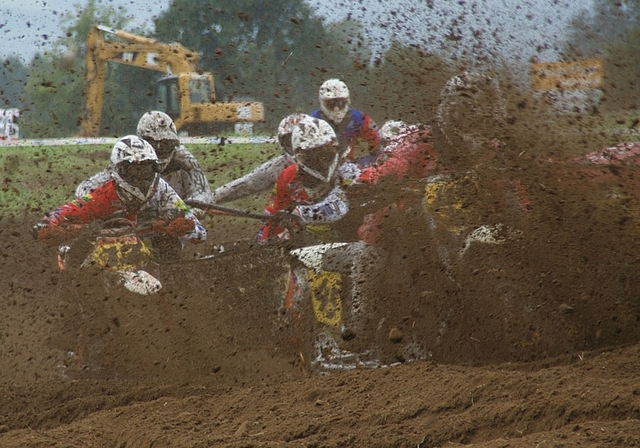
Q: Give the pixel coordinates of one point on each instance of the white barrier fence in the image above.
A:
(110, 141)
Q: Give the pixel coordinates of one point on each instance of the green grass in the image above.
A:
(624, 123)
(36, 179)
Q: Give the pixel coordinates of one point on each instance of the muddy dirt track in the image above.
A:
(532, 342)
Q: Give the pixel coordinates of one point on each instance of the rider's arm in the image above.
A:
(260, 179)
(370, 132)
(193, 183)
(93, 182)
(66, 221)
(55, 235)
(170, 206)
(361, 126)
(279, 201)
(349, 173)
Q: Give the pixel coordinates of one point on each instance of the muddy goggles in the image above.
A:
(164, 148)
(339, 103)
(322, 159)
(285, 144)
(138, 172)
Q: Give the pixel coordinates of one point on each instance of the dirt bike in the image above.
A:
(313, 299)
(111, 304)
(325, 292)
(320, 293)
(348, 294)
(335, 293)
(119, 252)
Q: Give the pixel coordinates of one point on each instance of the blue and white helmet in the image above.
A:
(334, 99)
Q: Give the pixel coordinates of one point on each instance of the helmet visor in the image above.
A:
(164, 148)
(139, 174)
(322, 160)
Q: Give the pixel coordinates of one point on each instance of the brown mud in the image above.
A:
(529, 343)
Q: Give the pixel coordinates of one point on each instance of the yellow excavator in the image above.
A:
(186, 93)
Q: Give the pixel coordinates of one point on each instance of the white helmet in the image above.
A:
(134, 167)
(315, 148)
(284, 132)
(159, 129)
(334, 99)
(392, 129)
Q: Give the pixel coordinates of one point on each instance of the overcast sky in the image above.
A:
(515, 29)
(29, 26)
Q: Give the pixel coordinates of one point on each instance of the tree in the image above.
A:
(13, 77)
(622, 74)
(275, 52)
(607, 22)
(54, 98)
(351, 40)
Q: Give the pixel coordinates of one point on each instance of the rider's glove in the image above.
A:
(285, 219)
(177, 227)
(200, 214)
(180, 227)
(37, 228)
(55, 235)
(368, 175)
(158, 226)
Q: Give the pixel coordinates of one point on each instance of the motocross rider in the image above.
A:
(311, 188)
(264, 176)
(408, 153)
(176, 165)
(474, 201)
(135, 192)
(349, 124)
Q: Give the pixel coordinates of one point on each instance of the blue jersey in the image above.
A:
(355, 125)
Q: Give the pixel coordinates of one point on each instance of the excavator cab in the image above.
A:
(201, 89)
(167, 97)
(168, 88)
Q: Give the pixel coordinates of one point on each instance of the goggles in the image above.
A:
(285, 144)
(321, 160)
(333, 103)
(138, 173)
(164, 148)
